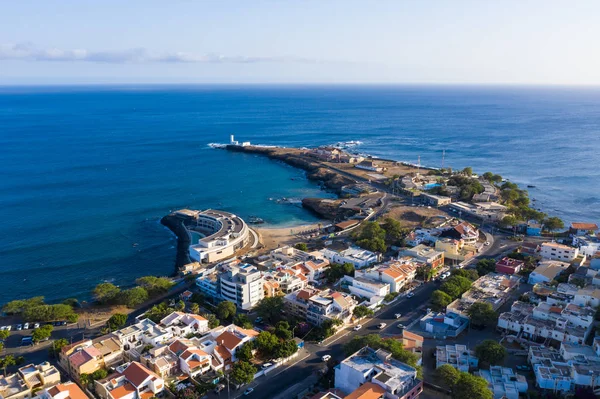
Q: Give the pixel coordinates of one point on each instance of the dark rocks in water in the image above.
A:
(175, 224)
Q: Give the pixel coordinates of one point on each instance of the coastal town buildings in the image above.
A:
(556, 251)
(583, 228)
(311, 265)
(431, 258)
(397, 273)
(366, 288)
(493, 288)
(370, 165)
(486, 211)
(504, 382)
(458, 356)
(455, 249)
(131, 381)
(316, 306)
(87, 356)
(67, 390)
(27, 380)
(379, 374)
(243, 285)
(463, 231)
(136, 337)
(434, 200)
(508, 265)
(182, 324)
(546, 271)
(359, 257)
(221, 234)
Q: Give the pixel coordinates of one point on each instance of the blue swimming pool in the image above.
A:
(429, 186)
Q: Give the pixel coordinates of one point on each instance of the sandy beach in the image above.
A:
(274, 237)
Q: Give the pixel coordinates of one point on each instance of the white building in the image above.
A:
(588, 245)
(369, 367)
(68, 390)
(556, 251)
(504, 382)
(366, 288)
(360, 258)
(317, 306)
(132, 381)
(397, 274)
(243, 285)
(223, 234)
(209, 285)
(457, 356)
(547, 271)
(28, 378)
(145, 332)
(181, 324)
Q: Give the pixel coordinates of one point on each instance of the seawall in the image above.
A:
(175, 224)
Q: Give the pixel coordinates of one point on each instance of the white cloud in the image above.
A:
(28, 52)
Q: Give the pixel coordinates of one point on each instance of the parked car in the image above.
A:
(410, 294)
(381, 326)
(2, 328)
(8, 328)
(36, 325)
(19, 327)
(266, 365)
(523, 367)
(26, 326)
(398, 315)
(326, 358)
(357, 327)
(258, 320)
(219, 388)
(400, 325)
(248, 391)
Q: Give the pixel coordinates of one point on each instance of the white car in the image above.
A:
(357, 327)
(19, 327)
(398, 315)
(381, 326)
(8, 328)
(2, 328)
(36, 325)
(326, 358)
(26, 326)
(267, 365)
(400, 325)
(410, 294)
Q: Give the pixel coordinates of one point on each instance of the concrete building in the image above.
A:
(223, 234)
(457, 356)
(589, 245)
(317, 306)
(377, 367)
(359, 257)
(68, 390)
(430, 257)
(493, 288)
(583, 228)
(135, 337)
(87, 356)
(434, 200)
(547, 271)
(455, 249)
(504, 382)
(131, 381)
(181, 324)
(209, 285)
(370, 165)
(486, 211)
(508, 265)
(464, 231)
(556, 251)
(447, 324)
(366, 288)
(397, 274)
(243, 285)
(286, 280)
(28, 379)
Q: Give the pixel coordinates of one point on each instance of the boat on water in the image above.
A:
(255, 220)
(530, 186)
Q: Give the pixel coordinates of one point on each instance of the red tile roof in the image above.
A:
(137, 374)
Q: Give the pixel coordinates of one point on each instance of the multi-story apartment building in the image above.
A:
(366, 288)
(317, 306)
(359, 257)
(556, 251)
(376, 373)
(243, 285)
(397, 273)
(87, 356)
(131, 381)
(504, 382)
(182, 324)
(28, 379)
(547, 271)
(135, 337)
(209, 286)
(430, 257)
(458, 356)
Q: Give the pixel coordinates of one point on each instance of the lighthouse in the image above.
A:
(232, 140)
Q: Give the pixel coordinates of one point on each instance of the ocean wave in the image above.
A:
(217, 145)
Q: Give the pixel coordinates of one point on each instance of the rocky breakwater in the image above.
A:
(176, 225)
(297, 157)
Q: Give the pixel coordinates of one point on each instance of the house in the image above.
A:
(131, 381)
(370, 165)
(583, 228)
(162, 361)
(457, 356)
(508, 265)
(186, 296)
(359, 257)
(556, 251)
(28, 379)
(432, 258)
(529, 248)
(397, 274)
(533, 229)
(504, 382)
(376, 370)
(365, 288)
(464, 231)
(449, 324)
(287, 280)
(413, 343)
(68, 390)
(455, 249)
(487, 211)
(547, 271)
(434, 200)
(85, 357)
(182, 324)
(589, 244)
(345, 225)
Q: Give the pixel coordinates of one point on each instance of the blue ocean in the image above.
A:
(87, 172)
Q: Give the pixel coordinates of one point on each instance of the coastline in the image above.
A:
(276, 236)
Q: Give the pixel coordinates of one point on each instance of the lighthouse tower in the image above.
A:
(232, 140)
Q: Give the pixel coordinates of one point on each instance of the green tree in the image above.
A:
(482, 314)
(7, 361)
(553, 224)
(244, 352)
(159, 312)
(301, 246)
(194, 308)
(394, 232)
(134, 297)
(242, 320)
(117, 321)
(448, 374)
(455, 286)
(49, 313)
(362, 311)
(155, 285)
(468, 171)
(371, 236)
(439, 300)
(180, 306)
(286, 349)
(464, 385)
(57, 346)
(490, 352)
(106, 293)
(99, 374)
(496, 179)
(485, 266)
(266, 342)
(488, 176)
(466, 273)
(212, 320)
(41, 333)
(508, 221)
(328, 327)
(4, 334)
(226, 310)
(282, 330)
(20, 305)
(270, 308)
(86, 379)
(242, 373)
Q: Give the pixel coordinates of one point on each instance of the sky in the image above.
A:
(309, 41)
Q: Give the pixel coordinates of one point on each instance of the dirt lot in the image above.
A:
(413, 216)
(393, 168)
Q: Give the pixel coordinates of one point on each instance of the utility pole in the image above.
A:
(443, 156)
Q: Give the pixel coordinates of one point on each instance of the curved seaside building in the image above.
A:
(224, 234)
